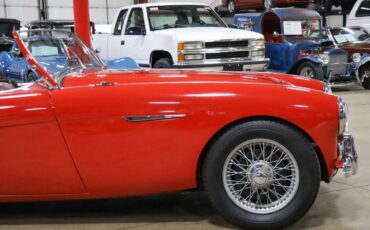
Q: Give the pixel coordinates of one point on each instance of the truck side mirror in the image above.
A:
(135, 31)
(276, 34)
(16, 52)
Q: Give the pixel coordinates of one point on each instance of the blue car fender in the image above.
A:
(308, 58)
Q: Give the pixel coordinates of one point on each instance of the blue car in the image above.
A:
(51, 56)
(294, 43)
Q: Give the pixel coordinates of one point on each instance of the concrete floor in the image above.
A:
(343, 204)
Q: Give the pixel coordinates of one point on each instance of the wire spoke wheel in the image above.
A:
(261, 176)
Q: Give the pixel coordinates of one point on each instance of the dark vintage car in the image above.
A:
(294, 43)
(235, 5)
(6, 28)
(258, 143)
(354, 40)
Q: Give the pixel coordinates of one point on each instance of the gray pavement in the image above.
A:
(343, 204)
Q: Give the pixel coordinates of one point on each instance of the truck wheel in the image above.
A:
(262, 175)
(231, 6)
(310, 70)
(365, 76)
(163, 63)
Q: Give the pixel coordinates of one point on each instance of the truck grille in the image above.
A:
(226, 44)
(242, 54)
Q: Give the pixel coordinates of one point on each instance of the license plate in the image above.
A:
(233, 67)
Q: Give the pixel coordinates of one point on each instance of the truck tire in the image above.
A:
(365, 76)
(310, 70)
(243, 180)
(163, 63)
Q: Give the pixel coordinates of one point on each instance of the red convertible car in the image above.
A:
(235, 5)
(258, 143)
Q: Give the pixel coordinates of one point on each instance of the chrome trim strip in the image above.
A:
(152, 117)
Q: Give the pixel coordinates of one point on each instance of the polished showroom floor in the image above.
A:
(344, 204)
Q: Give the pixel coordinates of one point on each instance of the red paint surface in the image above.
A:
(112, 157)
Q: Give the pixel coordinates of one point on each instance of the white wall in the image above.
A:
(24, 10)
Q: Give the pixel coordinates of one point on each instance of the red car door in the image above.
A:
(34, 159)
(116, 157)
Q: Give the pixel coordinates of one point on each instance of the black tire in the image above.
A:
(365, 76)
(31, 76)
(163, 63)
(317, 72)
(291, 139)
(231, 7)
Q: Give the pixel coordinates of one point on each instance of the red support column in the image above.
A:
(82, 20)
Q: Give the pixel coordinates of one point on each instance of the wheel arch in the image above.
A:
(295, 67)
(324, 170)
(158, 54)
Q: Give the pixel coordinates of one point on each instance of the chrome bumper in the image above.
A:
(348, 154)
(258, 64)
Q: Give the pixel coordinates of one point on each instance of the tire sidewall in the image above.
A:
(308, 183)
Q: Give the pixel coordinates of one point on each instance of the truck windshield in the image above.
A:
(175, 16)
(309, 28)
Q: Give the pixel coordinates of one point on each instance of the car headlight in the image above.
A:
(324, 57)
(356, 57)
(190, 46)
(343, 116)
(256, 43)
(258, 53)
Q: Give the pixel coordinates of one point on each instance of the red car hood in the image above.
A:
(171, 76)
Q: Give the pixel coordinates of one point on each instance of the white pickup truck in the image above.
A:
(180, 35)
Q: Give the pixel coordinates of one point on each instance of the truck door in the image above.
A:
(130, 37)
(116, 42)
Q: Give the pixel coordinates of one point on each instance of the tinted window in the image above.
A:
(119, 24)
(364, 9)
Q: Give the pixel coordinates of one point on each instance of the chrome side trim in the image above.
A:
(152, 117)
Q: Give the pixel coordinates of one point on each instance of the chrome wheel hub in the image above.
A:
(261, 176)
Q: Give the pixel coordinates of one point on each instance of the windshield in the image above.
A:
(166, 17)
(309, 28)
(348, 35)
(60, 52)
